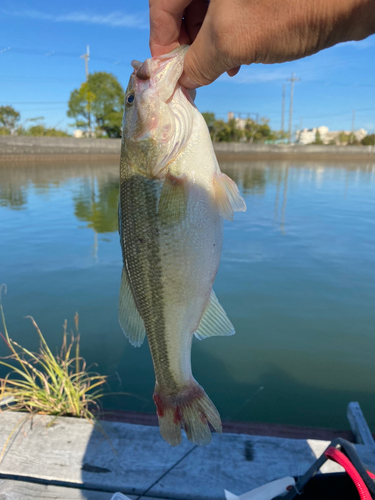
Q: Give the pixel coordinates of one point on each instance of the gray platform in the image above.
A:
(72, 454)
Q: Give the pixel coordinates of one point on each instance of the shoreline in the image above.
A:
(19, 149)
(35, 159)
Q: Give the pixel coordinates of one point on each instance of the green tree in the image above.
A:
(100, 98)
(39, 129)
(318, 139)
(236, 130)
(369, 140)
(8, 119)
(343, 138)
(258, 132)
(42, 131)
(279, 135)
(226, 131)
(209, 118)
(219, 131)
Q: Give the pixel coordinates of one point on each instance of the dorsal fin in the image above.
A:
(129, 318)
(214, 321)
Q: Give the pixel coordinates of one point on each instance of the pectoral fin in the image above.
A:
(173, 199)
(214, 321)
(227, 196)
(129, 318)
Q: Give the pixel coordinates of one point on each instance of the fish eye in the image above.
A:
(130, 99)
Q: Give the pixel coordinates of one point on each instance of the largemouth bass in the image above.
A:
(173, 199)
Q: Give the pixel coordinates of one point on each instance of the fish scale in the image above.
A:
(143, 263)
(173, 199)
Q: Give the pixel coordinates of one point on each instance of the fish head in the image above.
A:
(158, 116)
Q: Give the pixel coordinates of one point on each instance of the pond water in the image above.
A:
(297, 279)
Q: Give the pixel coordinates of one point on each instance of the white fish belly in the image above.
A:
(190, 253)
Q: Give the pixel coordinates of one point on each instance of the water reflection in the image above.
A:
(97, 203)
(14, 197)
(297, 279)
(19, 181)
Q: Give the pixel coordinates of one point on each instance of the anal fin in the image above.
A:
(230, 496)
(227, 196)
(129, 317)
(214, 321)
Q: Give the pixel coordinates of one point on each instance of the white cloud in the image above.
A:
(114, 19)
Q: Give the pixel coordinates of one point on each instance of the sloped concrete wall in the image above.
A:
(245, 148)
(14, 145)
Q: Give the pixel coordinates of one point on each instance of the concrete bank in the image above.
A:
(41, 149)
(12, 145)
(67, 454)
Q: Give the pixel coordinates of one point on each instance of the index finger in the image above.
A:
(165, 24)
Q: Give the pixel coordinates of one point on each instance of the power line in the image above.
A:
(34, 102)
(53, 53)
(36, 78)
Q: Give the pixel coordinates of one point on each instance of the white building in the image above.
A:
(240, 122)
(78, 134)
(308, 136)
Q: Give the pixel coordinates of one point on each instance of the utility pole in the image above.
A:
(300, 128)
(353, 122)
(86, 57)
(283, 109)
(292, 80)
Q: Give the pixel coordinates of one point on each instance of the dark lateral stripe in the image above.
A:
(141, 253)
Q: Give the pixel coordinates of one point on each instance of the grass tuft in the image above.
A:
(41, 383)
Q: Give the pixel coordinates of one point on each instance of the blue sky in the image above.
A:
(40, 65)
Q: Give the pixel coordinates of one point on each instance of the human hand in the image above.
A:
(227, 33)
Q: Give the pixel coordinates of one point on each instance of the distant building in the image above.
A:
(78, 134)
(308, 135)
(360, 134)
(240, 122)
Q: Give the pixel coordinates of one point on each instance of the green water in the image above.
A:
(297, 279)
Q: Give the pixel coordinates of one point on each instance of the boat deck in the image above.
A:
(66, 458)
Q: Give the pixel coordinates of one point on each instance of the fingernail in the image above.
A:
(188, 83)
(233, 72)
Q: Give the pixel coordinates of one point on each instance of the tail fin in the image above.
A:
(190, 409)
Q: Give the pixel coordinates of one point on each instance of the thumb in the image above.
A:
(204, 62)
